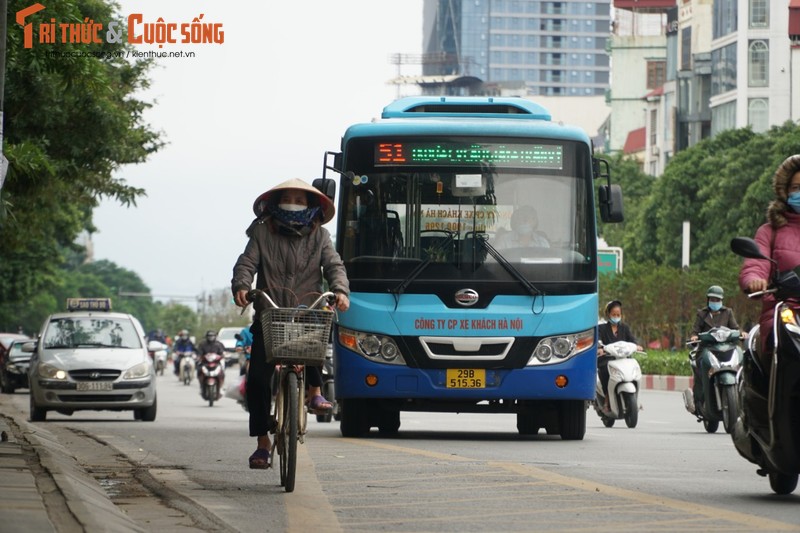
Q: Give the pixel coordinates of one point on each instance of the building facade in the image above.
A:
(738, 65)
(549, 48)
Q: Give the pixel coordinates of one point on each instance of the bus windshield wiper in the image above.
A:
(509, 267)
(403, 285)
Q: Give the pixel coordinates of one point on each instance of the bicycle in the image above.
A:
(293, 337)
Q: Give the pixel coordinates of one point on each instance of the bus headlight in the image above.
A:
(372, 346)
(551, 350)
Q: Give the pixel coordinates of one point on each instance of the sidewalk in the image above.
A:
(36, 473)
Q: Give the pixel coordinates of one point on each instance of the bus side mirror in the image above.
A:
(611, 203)
(326, 186)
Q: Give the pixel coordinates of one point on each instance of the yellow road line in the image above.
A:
(756, 522)
(686, 507)
(307, 508)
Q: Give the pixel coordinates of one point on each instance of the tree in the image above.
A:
(175, 317)
(706, 185)
(70, 122)
(636, 187)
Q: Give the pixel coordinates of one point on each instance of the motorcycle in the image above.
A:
(158, 354)
(328, 388)
(767, 432)
(186, 366)
(212, 376)
(716, 355)
(624, 375)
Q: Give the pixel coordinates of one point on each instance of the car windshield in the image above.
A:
(91, 332)
(227, 334)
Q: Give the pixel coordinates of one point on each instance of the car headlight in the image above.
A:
(551, 350)
(142, 370)
(49, 371)
(375, 347)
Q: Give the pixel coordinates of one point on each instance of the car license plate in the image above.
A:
(466, 378)
(95, 385)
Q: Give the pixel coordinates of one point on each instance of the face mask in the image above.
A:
(715, 306)
(296, 217)
(794, 201)
(291, 207)
(615, 319)
(524, 229)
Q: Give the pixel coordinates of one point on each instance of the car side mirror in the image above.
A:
(29, 347)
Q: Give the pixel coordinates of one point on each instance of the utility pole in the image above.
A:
(3, 35)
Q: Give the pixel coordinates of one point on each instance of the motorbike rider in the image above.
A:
(244, 344)
(182, 345)
(713, 315)
(210, 345)
(778, 239)
(612, 330)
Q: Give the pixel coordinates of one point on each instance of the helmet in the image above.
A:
(611, 305)
(715, 291)
(211, 334)
(183, 333)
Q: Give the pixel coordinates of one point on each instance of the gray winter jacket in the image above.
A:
(288, 267)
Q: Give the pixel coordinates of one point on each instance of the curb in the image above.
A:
(84, 497)
(667, 383)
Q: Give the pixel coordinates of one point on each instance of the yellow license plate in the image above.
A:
(466, 378)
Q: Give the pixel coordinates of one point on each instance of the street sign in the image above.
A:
(609, 260)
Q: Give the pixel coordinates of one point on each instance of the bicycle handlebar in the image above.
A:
(261, 298)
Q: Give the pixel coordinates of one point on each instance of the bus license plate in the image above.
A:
(466, 378)
(95, 385)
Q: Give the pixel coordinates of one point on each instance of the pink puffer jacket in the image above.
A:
(785, 250)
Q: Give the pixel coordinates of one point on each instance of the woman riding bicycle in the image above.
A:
(287, 246)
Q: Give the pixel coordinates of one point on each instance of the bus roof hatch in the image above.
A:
(455, 106)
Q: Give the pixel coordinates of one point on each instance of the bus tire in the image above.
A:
(355, 421)
(389, 423)
(527, 423)
(572, 419)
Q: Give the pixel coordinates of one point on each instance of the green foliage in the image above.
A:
(660, 302)
(70, 122)
(664, 362)
(636, 186)
(175, 317)
(721, 186)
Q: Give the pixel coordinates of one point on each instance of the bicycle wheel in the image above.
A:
(288, 432)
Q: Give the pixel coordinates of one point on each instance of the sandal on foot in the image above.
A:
(260, 459)
(319, 403)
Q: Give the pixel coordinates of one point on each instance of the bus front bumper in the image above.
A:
(357, 377)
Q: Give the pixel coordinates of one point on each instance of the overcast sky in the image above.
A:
(243, 116)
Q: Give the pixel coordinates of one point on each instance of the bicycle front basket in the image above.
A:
(296, 335)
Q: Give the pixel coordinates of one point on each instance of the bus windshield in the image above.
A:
(449, 217)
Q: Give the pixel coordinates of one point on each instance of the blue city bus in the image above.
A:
(467, 227)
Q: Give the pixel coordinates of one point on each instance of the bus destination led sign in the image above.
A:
(433, 153)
